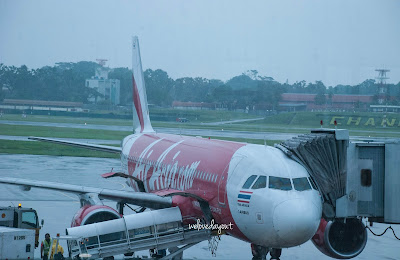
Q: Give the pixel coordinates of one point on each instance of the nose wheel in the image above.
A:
(260, 252)
(275, 253)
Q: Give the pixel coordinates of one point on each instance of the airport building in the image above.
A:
(108, 89)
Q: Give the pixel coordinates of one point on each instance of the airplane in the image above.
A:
(269, 200)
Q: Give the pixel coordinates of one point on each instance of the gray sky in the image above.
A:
(338, 42)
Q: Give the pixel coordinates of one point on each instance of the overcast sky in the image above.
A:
(338, 42)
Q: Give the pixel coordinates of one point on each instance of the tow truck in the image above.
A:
(21, 218)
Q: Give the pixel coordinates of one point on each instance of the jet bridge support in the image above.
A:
(357, 178)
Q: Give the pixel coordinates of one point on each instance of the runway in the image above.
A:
(183, 131)
(273, 135)
(57, 209)
(91, 141)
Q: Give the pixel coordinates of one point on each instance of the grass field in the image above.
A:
(61, 132)
(283, 122)
(347, 120)
(39, 148)
(64, 119)
(156, 114)
(359, 124)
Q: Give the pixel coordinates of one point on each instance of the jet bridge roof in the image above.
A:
(356, 179)
(324, 154)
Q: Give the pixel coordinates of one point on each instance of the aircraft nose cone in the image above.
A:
(296, 221)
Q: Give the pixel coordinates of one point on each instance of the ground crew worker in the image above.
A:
(59, 253)
(45, 247)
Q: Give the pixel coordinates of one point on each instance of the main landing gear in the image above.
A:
(260, 252)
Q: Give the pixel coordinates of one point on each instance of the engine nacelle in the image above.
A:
(341, 240)
(90, 214)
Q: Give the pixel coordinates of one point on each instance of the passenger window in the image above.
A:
(260, 183)
(249, 181)
(279, 183)
(301, 184)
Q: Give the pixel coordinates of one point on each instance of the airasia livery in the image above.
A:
(266, 198)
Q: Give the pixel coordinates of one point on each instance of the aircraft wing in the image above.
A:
(147, 200)
(103, 148)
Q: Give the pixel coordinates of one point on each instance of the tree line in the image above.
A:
(66, 82)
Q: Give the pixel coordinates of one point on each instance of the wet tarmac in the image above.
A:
(194, 132)
(234, 121)
(91, 141)
(57, 209)
(198, 132)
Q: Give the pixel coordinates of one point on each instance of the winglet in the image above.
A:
(141, 118)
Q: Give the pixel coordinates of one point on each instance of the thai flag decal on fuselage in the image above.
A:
(244, 196)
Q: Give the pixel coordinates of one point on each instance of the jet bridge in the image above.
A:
(357, 178)
(158, 229)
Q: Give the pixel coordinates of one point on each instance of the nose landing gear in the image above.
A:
(260, 252)
(275, 253)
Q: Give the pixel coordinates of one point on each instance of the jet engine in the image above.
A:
(90, 214)
(341, 239)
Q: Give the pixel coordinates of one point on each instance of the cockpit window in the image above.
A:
(279, 183)
(260, 183)
(312, 183)
(301, 184)
(249, 181)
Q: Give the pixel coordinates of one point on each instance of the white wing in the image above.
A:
(102, 148)
(147, 200)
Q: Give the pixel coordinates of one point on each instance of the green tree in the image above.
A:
(269, 93)
(124, 75)
(320, 99)
(159, 87)
(194, 89)
(316, 88)
(223, 95)
(367, 87)
(8, 78)
(241, 82)
(319, 88)
(297, 87)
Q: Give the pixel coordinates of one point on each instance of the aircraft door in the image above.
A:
(222, 186)
(227, 174)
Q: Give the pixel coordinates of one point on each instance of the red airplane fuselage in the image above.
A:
(170, 164)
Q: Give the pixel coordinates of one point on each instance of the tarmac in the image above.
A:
(57, 209)
(274, 133)
(183, 131)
